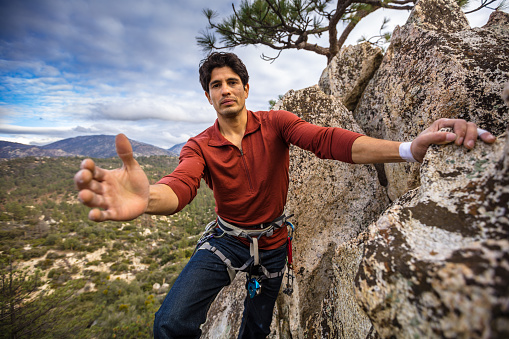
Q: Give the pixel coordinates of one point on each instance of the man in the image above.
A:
(244, 159)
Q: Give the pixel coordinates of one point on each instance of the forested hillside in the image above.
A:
(63, 276)
(96, 146)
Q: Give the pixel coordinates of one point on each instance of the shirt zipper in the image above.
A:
(247, 170)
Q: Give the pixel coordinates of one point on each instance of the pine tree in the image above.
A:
(288, 24)
(25, 310)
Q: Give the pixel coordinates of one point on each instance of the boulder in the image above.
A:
(225, 314)
(436, 67)
(443, 16)
(436, 264)
(165, 287)
(349, 72)
(332, 203)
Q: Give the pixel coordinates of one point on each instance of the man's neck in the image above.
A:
(233, 128)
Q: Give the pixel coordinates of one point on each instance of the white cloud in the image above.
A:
(9, 129)
(159, 108)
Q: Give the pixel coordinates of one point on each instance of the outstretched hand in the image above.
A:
(119, 194)
(464, 133)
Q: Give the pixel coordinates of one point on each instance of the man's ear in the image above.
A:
(208, 97)
(246, 89)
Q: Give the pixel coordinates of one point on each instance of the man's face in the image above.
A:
(226, 92)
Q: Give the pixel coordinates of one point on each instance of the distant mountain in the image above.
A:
(102, 146)
(95, 146)
(176, 149)
(9, 150)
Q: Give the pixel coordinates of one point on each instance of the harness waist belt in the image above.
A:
(257, 231)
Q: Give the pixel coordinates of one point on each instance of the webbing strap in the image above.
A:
(232, 271)
(253, 251)
(266, 229)
(273, 274)
(208, 246)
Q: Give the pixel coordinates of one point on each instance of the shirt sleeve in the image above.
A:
(325, 142)
(185, 179)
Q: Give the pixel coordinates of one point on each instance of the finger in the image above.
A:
(91, 199)
(470, 135)
(125, 150)
(486, 136)
(100, 174)
(83, 178)
(459, 128)
(95, 215)
(439, 138)
(92, 185)
(98, 215)
(442, 123)
(88, 164)
(97, 172)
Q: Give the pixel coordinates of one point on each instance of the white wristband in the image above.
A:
(405, 153)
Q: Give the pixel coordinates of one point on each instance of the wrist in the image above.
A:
(405, 152)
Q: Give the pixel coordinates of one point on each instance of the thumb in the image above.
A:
(124, 150)
(438, 138)
(421, 143)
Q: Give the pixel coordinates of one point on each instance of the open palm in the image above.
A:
(119, 194)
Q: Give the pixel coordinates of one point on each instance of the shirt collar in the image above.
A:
(217, 139)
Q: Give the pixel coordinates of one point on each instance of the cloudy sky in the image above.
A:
(85, 67)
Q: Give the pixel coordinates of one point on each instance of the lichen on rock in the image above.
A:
(349, 72)
(437, 262)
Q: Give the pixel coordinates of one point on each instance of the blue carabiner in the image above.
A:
(253, 287)
(290, 235)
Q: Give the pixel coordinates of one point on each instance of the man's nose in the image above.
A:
(225, 89)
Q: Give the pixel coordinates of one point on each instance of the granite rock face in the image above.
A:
(349, 72)
(439, 15)
(225, 314)
(332, 203)
(436, 67)
(436, 263)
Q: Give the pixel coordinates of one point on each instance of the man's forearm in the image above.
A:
(367, 150)
(162, 200)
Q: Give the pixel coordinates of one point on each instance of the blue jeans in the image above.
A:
(185, 307)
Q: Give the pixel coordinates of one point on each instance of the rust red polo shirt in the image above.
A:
(250, 185)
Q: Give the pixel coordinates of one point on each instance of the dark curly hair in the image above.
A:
(221, 59)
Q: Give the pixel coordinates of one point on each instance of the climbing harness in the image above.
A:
(256, 272)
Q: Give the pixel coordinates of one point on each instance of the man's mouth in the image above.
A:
(227, 101)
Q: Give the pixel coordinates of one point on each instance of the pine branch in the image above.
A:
(288, 24)
(484, 3)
